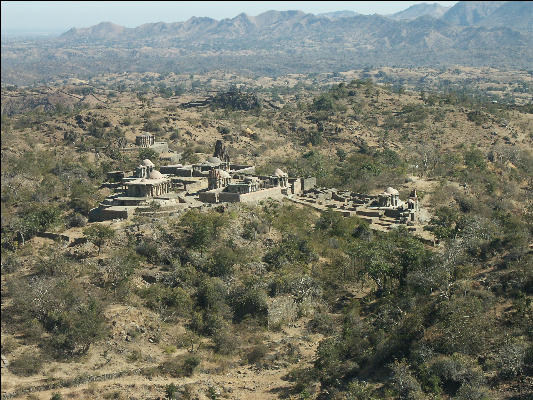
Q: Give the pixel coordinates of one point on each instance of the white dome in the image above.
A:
(214, 160)
(147, 163)
(224, 174)
(279, 172)
(391, 190)
(155, 175)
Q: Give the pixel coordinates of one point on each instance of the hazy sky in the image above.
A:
(59, 16)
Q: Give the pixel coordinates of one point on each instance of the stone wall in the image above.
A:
(296, 185)
(242, 169)
(160, 147)
(229, 197)
(208, 197)
(170, 157)
(393, 213)
(274, 192)
(308, 183)
(176, 170)
(194, 185)
(375, 214)
(104, 214)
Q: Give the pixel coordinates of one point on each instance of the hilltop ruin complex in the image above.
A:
(177, 187)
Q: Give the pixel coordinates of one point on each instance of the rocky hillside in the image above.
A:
(273, 300)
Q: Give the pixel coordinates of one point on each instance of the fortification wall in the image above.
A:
(261, 194)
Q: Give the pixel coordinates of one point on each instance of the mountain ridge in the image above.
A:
(276, 42)
(467, 13)
(462, 14)
(434, 10)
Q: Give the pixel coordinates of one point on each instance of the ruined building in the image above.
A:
(383, 211)
(144, 140)
(217, 178)
(176, 186)
(221, 152)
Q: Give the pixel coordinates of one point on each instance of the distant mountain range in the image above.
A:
(434, 10)
(468, 13)
(469, 33)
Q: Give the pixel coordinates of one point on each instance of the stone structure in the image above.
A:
(146, 186)
(383, 211)
(213, 181)
(144, 140)
(221, 152)
(253, 188)
(153, 185)
(245, 185)
(144, 169)
(389, 198)
(279, 178)
(115, 176)
(218, 178)
(147, 141)
(170, 157)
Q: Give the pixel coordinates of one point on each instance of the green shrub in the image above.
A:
(9, 344)
(323, 102)
(302, 377)
(291, 249)
(180, 366)
(224, 258)
(99, 234)
(175, 135)
(202, 228)
(404, 383)
(171, 391)
(249, 300)
(313, 137)
(256, 354)
(321, 323)
(147, 153)
(212, 294)
(360, 390)
(477, 117)
(77, 220)
(457, 371)
(224, 340)
(76, 329)
(167, 300)
(511, 359)
(474, 158)
(26, 364)
(152, 126)
(464, 325)
(71, 315)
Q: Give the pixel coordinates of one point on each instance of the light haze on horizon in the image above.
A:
(58, 16)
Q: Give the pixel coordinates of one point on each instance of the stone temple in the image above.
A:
(216, 180)
(176, 187)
